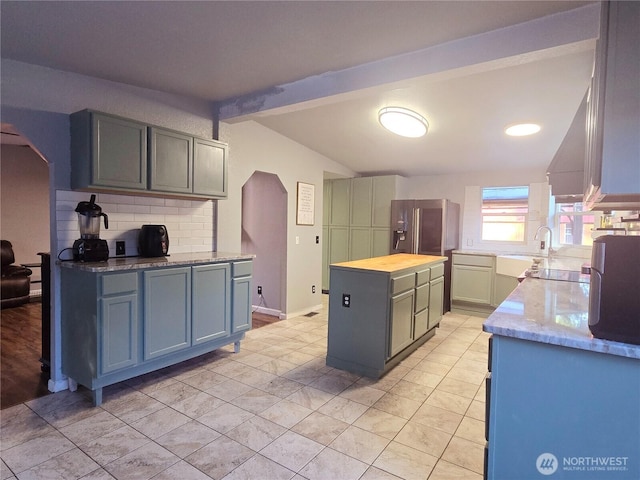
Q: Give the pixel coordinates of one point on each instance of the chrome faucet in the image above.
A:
(550, 251)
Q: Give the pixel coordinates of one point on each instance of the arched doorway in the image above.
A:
(24, 216)
(264, 233)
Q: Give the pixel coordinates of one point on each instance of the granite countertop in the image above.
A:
(553, 312)
(391, 263)
(173, 260)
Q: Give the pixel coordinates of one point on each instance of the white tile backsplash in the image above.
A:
(190, 223)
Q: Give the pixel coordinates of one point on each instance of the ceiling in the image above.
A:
(332, 65)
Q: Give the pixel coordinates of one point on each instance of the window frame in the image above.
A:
(513, 200)
(597, 215)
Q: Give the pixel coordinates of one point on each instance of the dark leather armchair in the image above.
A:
(15, 282)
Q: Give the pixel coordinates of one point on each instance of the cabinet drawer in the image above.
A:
(475, 260)
(422, 297)
(437, 271)
(423, 276)
(400, 284)
(119, 283)
(242, 269)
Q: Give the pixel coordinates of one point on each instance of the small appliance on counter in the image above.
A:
(153, 241)
(614, 295)
(89, 247)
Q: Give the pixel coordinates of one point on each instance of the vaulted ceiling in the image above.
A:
(317, 72)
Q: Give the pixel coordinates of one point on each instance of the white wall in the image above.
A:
(253, 147)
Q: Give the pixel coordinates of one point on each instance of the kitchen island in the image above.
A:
(129, 316)
(559, 402)
(381, 309)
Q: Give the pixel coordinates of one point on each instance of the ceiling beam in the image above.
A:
(545, 37)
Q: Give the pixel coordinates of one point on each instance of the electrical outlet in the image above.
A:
(542, 245)
(313, 289)
(259, 289)
(120, 247)
(346, 300)
(317, 239)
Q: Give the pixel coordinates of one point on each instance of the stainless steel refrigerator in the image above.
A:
(427, 227)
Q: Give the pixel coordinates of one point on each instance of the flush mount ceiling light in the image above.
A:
(522, 129)
(403, 121)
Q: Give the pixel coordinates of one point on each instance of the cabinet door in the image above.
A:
(340, 201)
(384, 190)
(326, 202)
(380, 243)
(119, 332)
(167, 311)
(472, 284)
(119, 152)
(361, 191)
(209, 168)
(211, 297)
(338, 244)
(359, 243)
(401, 322)
(171, 161)
(325, 258)
(241, 310)
(436, 301)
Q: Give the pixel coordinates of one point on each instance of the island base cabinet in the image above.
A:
(561, 412)
(116, 326)
(377, 318)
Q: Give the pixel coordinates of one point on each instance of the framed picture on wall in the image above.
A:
(305, 211)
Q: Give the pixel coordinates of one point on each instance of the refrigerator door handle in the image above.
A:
(416, 231)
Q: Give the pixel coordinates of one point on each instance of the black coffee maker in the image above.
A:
(89, 247)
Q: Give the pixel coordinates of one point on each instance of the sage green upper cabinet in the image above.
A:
(209, 168)
(171, 161)
(107, 152)
(612, 168)
(117, 154)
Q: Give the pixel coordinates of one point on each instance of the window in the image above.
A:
(574, 225)
(504, 213)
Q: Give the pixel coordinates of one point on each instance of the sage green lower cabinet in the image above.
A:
(436, 301)
(241, 308)
(121, 324)
(211, 302)
(472, 283)
(167, 311)
(385, 316)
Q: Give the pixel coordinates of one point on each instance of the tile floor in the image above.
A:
(273, 411)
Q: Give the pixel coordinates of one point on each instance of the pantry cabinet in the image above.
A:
(362, 206)
(115, 154)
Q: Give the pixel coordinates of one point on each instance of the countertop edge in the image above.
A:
(139, 263)
(595, 345)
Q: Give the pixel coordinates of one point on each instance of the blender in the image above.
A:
(89, 247)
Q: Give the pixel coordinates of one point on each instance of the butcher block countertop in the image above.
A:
(391, 263)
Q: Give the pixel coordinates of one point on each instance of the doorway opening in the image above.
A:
(264, 233)
(24, 216)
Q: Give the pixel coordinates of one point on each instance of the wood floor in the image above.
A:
(21, 378)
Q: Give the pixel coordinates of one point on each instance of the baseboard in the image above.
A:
(268, 311)
(301, 313)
